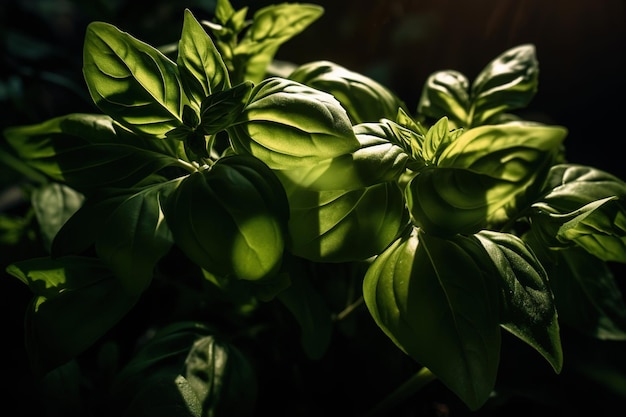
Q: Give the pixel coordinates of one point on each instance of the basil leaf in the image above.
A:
(135, 237)
(287, 124)
(432, 298)
(527, 309)
(364, 99)
(377, 160)
(88, 152)
(321, 222)
(77, 300)
(508, 82)
(231, 219)
(201, 67)
(478, 174)
(131, 81)
(445, 95)
(587, 296)
(54, 204)
(271, 27)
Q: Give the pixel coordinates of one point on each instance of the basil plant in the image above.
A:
(461, 220)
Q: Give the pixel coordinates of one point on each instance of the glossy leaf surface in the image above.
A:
(527, 309)
(287, 124)
(477, 174)
(202, 70)
(131, 81)
(231, 219)
(364, 99)
(433, 299)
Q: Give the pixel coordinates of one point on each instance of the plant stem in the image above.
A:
(408, 388)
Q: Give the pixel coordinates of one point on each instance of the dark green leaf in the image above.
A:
(135, 237)
(221, 377)
(88, 152)
(445, 94)
(587, 296)
(433, 299)
(54, 203)
(309, 309)
(583, 206)
(527, 309)
(77, 300)
(219, 110)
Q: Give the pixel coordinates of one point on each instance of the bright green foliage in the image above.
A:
(460, 219)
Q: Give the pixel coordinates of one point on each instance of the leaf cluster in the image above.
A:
(458, 221)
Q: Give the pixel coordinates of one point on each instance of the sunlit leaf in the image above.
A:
(231, 219)
(271, 27)
(432, 298)
(201, 67)
(364, 99)
(508, 82)
(345, 225)
(479, 173)
(131, 81)
(287, 124)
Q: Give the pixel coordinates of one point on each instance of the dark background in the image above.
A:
(580, 47)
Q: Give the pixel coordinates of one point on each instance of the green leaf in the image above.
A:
(287, 124)
(587, 296)
(364, 99)
(345, 225)
(54, 203)
(88, 152)
(271, 27)
(583, 206)
(508, 82)
(432, 298)
(377, 160)
(131, 81)
(81, 230)
(201, 67)
(135, 236)
(437, 139)
(445, 95)
(77, 300)
(478, 174)
(220, 110)
(527, 309)
(231, 219)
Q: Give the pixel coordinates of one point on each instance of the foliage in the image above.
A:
(244, 195)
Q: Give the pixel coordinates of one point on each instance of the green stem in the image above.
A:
(404, 391)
